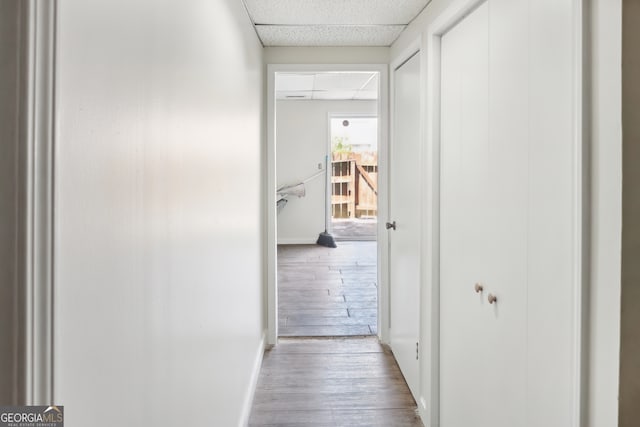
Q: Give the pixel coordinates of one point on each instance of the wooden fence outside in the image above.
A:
(354, 185)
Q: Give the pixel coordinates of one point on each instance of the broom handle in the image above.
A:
(327, 195)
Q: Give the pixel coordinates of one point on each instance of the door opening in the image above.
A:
(325, 176)
(354, 177)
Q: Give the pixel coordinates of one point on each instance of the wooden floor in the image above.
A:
(332, 382)
(327, 291)
(360, 229)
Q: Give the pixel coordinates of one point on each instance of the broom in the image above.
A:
(326, 239)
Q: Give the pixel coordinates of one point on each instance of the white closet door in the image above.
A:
(464, 233)
(509, 209)
(509, 217)
(404, 240)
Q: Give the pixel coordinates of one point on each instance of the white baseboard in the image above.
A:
(422, 411)
(255, 374)
(298, 241)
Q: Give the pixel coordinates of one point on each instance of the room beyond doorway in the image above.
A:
(326, 291)
(354, 176)
(298, 157)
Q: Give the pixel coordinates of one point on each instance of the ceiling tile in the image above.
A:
(366, 94)
(334, 94)
(341, 81)
(294, 81)
(328, 35)
(327, 85)
(372, 85)
(365, 12)
(293, 95)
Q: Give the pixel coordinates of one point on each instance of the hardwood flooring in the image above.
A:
(327, 291)
(332, 382)
(361, 229)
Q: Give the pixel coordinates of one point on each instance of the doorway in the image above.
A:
(315, 290)
(354, 176)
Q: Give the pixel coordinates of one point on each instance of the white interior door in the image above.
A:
(464, 144)
(506, 215)
(404, 213)
(483, 241)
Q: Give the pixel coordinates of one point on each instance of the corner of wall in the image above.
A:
(255, 375)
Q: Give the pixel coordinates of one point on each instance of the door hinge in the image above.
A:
(417, 351)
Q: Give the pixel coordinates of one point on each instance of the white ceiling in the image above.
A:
(327, 86)
(332, 22)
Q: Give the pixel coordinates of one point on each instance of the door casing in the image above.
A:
(270, 189)
(429, 402)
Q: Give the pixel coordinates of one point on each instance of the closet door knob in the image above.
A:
(492, 298)
(479, 288)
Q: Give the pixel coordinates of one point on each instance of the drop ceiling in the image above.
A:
(332, 22)
(327, 86)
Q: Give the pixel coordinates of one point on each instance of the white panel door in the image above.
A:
(404, 210)
(483, 237)
(463, 216)
(507, 217)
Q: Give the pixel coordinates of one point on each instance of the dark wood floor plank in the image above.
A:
(344, 345)
(377, 418)
(324, 330)
(317, 286)
(362, 400)
(306, 299)
(332, 382)
(306, 320)
(330, 385)
(327, 312)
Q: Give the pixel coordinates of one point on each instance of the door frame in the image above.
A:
(271, 249)
(35, 185)
(429, 404)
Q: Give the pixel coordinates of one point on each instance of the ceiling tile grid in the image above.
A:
(331, 22)
(327, 86)
(348, 12)
(328, 35)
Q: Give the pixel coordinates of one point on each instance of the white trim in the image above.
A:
(581, 236)
(271, 209)
(412, 48)
(430, 258)
(603, 131)
(430, 394)
(39, 147)
(253, 384)
(415, 48)
(383, 129)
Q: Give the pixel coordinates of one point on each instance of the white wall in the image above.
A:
(159, 282)
(603, 124)
(302, 141)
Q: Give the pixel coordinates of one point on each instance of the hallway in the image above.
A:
(332, 382)
(142, 155)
